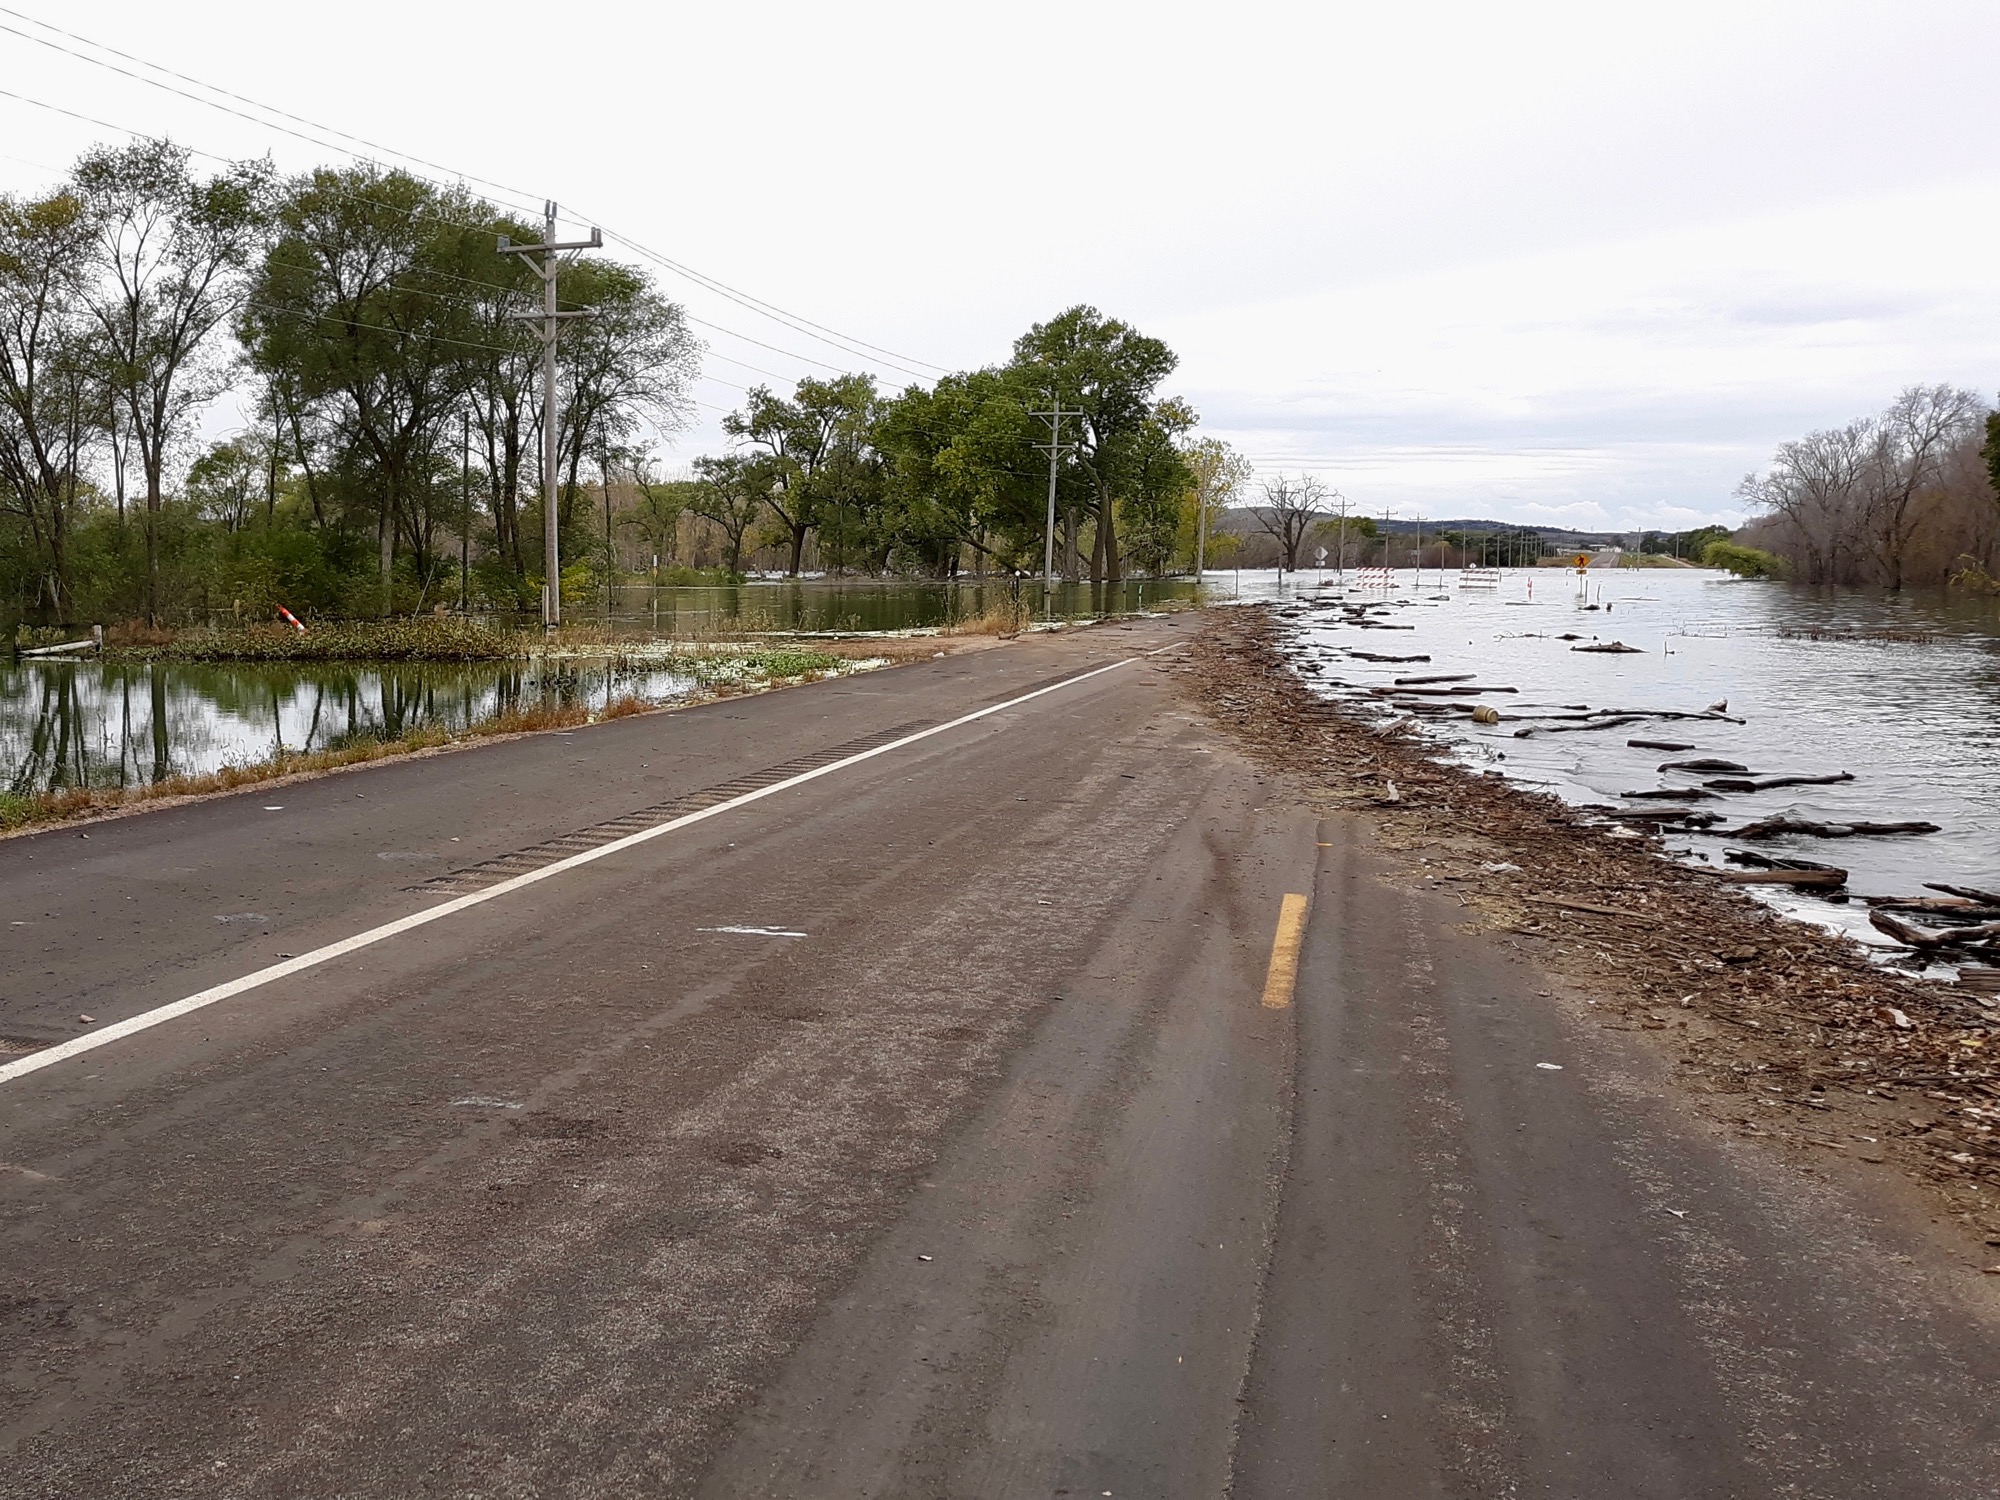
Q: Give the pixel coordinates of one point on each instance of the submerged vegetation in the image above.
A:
(1744, 562)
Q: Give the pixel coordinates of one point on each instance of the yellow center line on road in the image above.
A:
(1283, 976)
(77, 1046)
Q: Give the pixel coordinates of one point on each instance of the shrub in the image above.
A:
(1744, 562)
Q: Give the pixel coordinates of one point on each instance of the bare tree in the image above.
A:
(1895, 499)
(1913, 441)
(170, 252)
(1816, 489)
(51, 404)
(1290, 507)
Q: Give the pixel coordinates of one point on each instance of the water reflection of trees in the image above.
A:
(121, 724)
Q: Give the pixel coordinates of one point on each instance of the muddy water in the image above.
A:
(91, 723)
(1904, 693)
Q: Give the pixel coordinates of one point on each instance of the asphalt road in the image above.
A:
(917, 1130)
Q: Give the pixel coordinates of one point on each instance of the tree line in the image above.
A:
(933, 481)
(1904, 498)
(389, 460)
(393, 400)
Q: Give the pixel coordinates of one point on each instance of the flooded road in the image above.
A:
(1901, 693)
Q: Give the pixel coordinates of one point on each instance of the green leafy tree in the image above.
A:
(631, 364)
(962, 470)
(812, 446)
(355, 315)
(1158, 488)
(1109, 370)
(731, 490)
(1217, 475)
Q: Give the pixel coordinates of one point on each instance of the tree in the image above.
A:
(170, 252)
(814, 446)
(730, 490)
(661, 504)
(1816, 484)
(50, 398)
(226, 481)
(1912, 441)
(1290, 507)
(633, 363)
(356, 315)
(1991, 451)
(1158, 487)
(1109, 370)
(1218, 474)
(962, 471)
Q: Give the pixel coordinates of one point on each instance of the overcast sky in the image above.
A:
(1577, 264)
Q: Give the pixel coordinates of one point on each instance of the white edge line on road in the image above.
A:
(145, 1020)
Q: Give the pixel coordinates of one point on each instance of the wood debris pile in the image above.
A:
(1785, 1030)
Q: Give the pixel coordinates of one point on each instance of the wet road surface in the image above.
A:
(932, 1127)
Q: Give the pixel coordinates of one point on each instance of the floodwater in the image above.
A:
(819, 605)
(90, 723)
(1901, 692)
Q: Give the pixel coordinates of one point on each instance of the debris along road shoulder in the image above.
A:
(1057, 1102)
(1777, 1030)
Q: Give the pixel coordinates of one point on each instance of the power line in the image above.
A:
(414, 210)
(794, 321)
(797, 322)
(242, 99)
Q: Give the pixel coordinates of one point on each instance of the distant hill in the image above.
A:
(1243, 519)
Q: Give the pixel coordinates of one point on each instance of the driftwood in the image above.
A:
(1828, 879)
(1913, 936)
(1438, 692)
(1673, 794)
(1619, 723)
(1951, 908)
(1770, 828)
(1611, 648)
(1585, 906)
(1667, 745)
(1970, 893)
(1714, 714)
(1709, 764)
(1438, 677)
(1771, 783)
(1378, 656)
(1758, 861)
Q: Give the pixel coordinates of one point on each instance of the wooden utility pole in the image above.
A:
(551, 252)
(464, 508)
(1055, 447)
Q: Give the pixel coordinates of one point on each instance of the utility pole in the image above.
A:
(1340, 568)
(464, 505)
(610, 549)
(1055, 448)
(551, 253)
